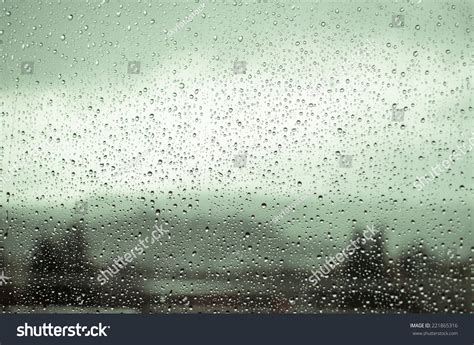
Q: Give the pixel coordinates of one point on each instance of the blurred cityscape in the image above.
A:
(62, 277)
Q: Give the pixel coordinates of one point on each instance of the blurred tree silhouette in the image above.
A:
(60, 271)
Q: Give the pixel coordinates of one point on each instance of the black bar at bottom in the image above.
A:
(333, 329)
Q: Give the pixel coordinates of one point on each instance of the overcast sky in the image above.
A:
(321, 80)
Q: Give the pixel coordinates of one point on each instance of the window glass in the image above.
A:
(251, 156)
